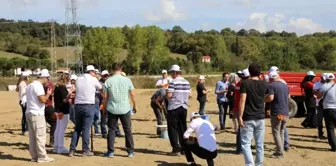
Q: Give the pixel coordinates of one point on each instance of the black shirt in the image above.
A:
(255, 91)
(200, 95)
(60, 94)
(230, 93)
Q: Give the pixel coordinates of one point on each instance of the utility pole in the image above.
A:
(73, 40)
(52, 47)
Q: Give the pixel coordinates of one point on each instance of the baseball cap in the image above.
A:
(274, 68)
(175, 68)
(239, 72)
(194, 114)
(44, 73)
(324, 75)
(104, 72)
(164, 71)
(66, 72)
(330, 76)
(310, 73)
(90, 68)
(273, 74)
(24, 74)
(246, 73)
(201, 78)
(73, 77)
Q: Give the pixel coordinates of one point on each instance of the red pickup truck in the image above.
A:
(294, 80)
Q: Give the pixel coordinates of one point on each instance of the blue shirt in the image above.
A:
(221, 86)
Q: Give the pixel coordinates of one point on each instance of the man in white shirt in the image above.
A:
(36, 99)
(86, 87)
(164, 81)
(204, 145)
(317, 86)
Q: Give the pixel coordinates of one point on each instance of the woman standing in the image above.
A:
(21, 88)
(233, 79)
(202, 94)
(61, 101)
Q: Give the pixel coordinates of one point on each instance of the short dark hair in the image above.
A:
(254, 69)
(117, 66)
(225, 73)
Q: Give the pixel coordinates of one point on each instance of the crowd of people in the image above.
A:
(88, 101)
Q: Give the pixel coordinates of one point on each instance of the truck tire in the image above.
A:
(292, 108)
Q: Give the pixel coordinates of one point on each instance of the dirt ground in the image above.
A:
(150, 150)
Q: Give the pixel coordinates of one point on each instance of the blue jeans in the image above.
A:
(96, 119)
(84, 119)
(256, 129)
(72, 113)
(222, 106)
(286, 138)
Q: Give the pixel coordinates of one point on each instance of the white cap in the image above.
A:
(104, 72)
(266, 78)
(175, 68)
(24, 74)
(324, 76)
(274, 68)
(273, 74)
(73, 77)
(246, 73)
(201, 77)
(330, 76)
(96, 70)
(164, 71)
(90, 68)
(66, 72)
(310, 73)
(44, 73)
(194, 114)
(240, 72)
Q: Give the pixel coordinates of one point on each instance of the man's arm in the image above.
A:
(105, 98)
(132, 94)
(320, 93)
(242, 102)
(218, 91)
(170, 90)
(189, 131)
(41, 95)
(269, 98)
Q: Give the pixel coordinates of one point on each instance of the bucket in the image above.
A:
(205, 117)
(163, 131)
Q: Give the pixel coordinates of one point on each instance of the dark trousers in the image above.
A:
(177, 125)
(222, 106)
(192, 146)
(96, 119)
(201, 107)
(330, 119)
(320, 121)
(49, 111)
(238, 141)
(24, 124)
(112, 123)
(311, 119)
(84, 119)
(103, 123)
(159, 116)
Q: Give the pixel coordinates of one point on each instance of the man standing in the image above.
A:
(50, 112)
(164, 81)
(278, 96)
(118, 91)
(319, 105)
(202, 94)
(222, 101)
(252, 115)
(328, 94)
(86, 86)
(157, 106)
(178, 94)
(307, 85)
(36, 99)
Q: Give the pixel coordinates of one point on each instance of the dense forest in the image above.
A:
(148, 48)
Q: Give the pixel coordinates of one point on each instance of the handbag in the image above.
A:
(321, 100)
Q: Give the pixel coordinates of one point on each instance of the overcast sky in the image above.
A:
(300, 16)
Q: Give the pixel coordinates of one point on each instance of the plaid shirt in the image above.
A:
(118, 88)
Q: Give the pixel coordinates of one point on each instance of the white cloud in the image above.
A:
(264, 22)
(167, 11)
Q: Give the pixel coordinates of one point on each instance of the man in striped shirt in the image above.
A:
(178, 94)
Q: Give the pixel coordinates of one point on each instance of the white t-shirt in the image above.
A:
(22, 92)
(204, 132)
(86, 87)
(317, 86)
(163, 82)
(34, 105)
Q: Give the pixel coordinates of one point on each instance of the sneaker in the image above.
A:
(131, 154)
(276, 155)
(286, 148)
(71, 153)
(33, 160)
(174, 153)
(88, 153)
(46, 160)
(97, 134)
(322, 137)
(109, 154)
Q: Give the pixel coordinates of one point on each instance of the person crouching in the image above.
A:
(204, 145)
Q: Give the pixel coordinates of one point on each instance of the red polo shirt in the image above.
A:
(50, 100)
(237, 97)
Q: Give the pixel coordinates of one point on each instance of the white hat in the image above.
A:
(266, 77)
(104, 72)
(194, 114)
(73, 77)
(24, 74)
(44, 73)
(164, 71)
(273, 74)
(330, 76)
(201, 77)
(310, 73)
(175, 68)
(96, 70)
(90, 68)
(240, 72)
(324, 76)
(246, 73)
(66, 72)
(274, 68)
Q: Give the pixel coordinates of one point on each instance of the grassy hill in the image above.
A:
(11, 55)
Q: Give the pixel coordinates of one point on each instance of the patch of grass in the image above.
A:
(11, 55)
